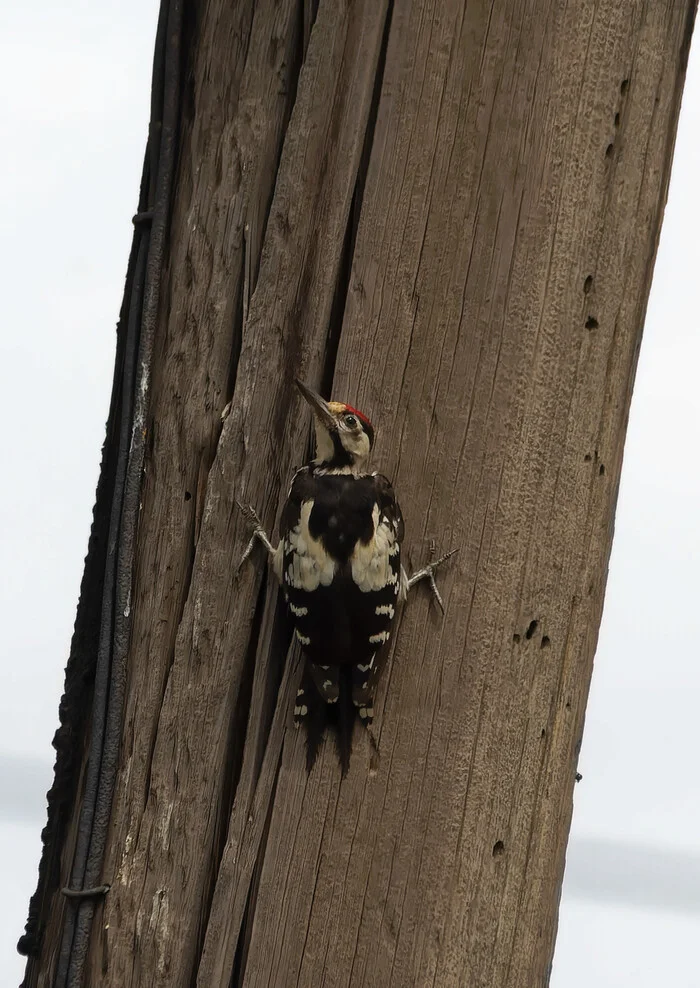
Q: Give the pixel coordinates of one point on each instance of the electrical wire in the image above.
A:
(119, 491)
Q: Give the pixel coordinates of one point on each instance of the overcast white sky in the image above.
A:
(75, 79)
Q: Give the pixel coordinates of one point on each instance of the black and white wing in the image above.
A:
(378, 576)
(307, 569)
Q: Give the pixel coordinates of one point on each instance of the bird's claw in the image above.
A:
(251, 515)
(428, 573)
(443, 558)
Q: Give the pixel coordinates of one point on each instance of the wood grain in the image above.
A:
(477, 188)
(189, 647)
(492, 197)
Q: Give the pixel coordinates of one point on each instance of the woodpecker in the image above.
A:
(339, 563)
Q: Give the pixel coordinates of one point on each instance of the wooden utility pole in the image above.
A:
(450, 211)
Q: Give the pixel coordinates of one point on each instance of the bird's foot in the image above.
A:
(259, 533)
(428, 573)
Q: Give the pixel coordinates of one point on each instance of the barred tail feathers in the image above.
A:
(337, 715)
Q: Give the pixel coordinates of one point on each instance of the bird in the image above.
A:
(338, 561)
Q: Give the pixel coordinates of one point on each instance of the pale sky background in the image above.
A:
(75, 79)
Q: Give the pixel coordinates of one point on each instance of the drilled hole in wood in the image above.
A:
(591, 323)
(516, 638)
(498, 849)
(601, 470)
(546, 642)
(543, 733)
(588, 284)
(609, 150)
(531, 629)
(624, 86)
(617, 119)
(187, 495)
(587, 458)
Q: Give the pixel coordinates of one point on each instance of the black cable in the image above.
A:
(128, 503)
(101, 644)
(74, 708)
(88, 809)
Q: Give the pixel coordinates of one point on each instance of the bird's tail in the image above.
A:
(339, 717)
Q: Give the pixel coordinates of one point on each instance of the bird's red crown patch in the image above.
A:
(354, 411)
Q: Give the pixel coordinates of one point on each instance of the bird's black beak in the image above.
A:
(319, 404)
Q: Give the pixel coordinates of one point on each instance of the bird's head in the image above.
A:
(344, 436)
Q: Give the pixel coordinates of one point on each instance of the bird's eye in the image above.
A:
(350, 421)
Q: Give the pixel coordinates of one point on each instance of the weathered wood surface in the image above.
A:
(509, 163)
(190, 642)
(494, 314)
